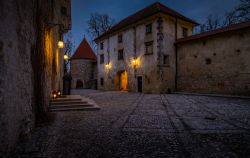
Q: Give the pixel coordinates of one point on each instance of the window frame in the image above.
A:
(148, 28)
(184, 31)
(166, 60)
(120, 38)
(119, 55)
(147, 44)
(101, 58)
(101, 46)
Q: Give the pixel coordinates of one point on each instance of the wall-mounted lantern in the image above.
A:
(135, 62)
(108, 66)
(60, 44)
(65, 56)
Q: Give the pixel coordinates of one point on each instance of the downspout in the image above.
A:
(176, 53)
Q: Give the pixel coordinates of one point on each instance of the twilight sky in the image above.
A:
(197, 10)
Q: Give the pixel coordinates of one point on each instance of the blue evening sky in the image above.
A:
(197, 10)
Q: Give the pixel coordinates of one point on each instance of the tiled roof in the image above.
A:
(229, 28)
(145, 13)
(84, 51)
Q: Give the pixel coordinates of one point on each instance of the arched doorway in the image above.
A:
(79, 84)
(122, 80)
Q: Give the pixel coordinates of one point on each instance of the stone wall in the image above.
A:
(216, 64)
(30, 66)
(84, 71)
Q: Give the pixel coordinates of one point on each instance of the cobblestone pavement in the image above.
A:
(146, 125)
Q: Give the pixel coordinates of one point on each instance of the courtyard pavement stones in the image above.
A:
(133, 125)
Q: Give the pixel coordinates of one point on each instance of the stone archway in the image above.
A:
(79, 84)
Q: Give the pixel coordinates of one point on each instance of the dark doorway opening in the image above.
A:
(79, 84)
(139, 84)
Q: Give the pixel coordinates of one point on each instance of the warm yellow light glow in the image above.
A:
(108, 66)
(65, 57)
(135, 62)
(60, 44)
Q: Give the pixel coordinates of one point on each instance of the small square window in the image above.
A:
(166, 60)
(149, 47)
(101, 81)
(120, 54)
(148, 28)
(120, 39)
(208, 61)
(184, 32)
(101, 46)
(101, 58)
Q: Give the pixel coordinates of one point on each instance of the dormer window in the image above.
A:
(120, 39)
(148, 28)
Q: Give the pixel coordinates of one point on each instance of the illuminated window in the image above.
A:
(120, 54)
(148, 28)
(149, 47)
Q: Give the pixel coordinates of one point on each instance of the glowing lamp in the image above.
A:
(108, 66)
(60, 44)
(135, 62)
(65, 57)
(59, 93)
(54, 94)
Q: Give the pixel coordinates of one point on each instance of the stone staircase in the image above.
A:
(72, 103)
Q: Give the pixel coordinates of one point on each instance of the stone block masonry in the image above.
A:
(30, 65)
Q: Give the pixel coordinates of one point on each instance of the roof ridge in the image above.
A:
(141, 14)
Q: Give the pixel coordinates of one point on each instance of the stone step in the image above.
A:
(76, 109)
(68, 102)
(65, 100)
(70, 106)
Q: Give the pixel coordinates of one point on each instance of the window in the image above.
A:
(64, 11)
(208, 61)
(101, 46)
(120, 54)
(166, 60)
(184, 32)
(149, 47)
(120, 39)
(148, 28)
(101, 81)
(101, 58)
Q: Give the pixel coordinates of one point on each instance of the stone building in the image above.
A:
(31, 64)
(138, 53)
(83, 67)
(215, 62)
(155, 51)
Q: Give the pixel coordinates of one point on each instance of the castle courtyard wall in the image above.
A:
(216, 64)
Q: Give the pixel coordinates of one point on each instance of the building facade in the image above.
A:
(31, 64)
(215, 62)
(83, 67)
(155, 51)
(138, 54)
